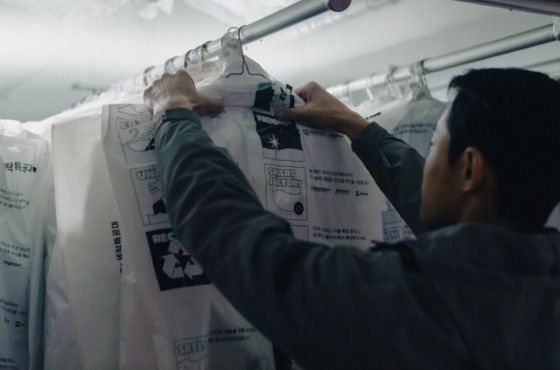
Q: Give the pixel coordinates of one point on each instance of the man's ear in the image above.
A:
(475, 170)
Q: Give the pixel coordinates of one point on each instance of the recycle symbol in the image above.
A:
(173, 268)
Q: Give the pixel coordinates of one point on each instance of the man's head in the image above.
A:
(496, 151)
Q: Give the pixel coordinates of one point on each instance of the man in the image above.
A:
(481, 289)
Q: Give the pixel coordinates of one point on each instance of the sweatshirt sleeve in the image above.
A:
(397, 168)
(323, 306)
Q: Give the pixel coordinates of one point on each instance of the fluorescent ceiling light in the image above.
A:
(538, 6)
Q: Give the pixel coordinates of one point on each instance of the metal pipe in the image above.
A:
(538, 36)
(524, 40)
(275, 22)
(288, 16)
(538, 6)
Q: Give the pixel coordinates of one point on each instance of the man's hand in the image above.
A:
(323, 110)
(178, 91)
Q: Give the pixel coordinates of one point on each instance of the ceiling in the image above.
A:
(44, 52)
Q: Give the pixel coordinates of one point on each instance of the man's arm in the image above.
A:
(396, 167)
(326, 307)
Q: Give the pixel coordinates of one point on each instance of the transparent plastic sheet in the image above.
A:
(24, 176)
(172, 317)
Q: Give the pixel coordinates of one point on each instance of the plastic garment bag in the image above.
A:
(83, 279)
(411, 117)
(24, 186)
(412, 121)
(172, 316)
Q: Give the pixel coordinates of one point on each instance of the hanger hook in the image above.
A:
(168, 66)
(389, 76)
(239, 36)
(146, 74)
(369, 93)
(422, 69)
(244, 65)
(227, 34)
(186, 60)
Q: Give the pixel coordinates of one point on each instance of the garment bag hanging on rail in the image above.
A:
(408, 121)
(75, 315)
(83, 281)
(310, 177)
(407, 110)
(24, 190)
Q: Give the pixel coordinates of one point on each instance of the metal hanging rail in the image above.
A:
(275, 22)
(524, 40)
(536, 6)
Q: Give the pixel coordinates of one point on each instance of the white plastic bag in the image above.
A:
(24, 187)
(414, 122)
(83, 277)
(84, 331)
(172, 317)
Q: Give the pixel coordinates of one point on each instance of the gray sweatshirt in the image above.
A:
(465, 296)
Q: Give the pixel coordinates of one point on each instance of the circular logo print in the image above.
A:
(298, 208)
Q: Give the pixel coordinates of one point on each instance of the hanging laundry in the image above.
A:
(24, 187)
(173, 317)
(83, 279)
(412, 120)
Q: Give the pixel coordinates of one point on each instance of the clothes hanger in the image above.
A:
(200, 69)
(204, 72)
(421, 91)
(244, 65)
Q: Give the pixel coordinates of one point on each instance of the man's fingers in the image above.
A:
(294, 114)
(307, 91)
(304, 91)
(216, 106)
(148, 101)
(178, 90)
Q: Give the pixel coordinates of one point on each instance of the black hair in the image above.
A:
(513, 117)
